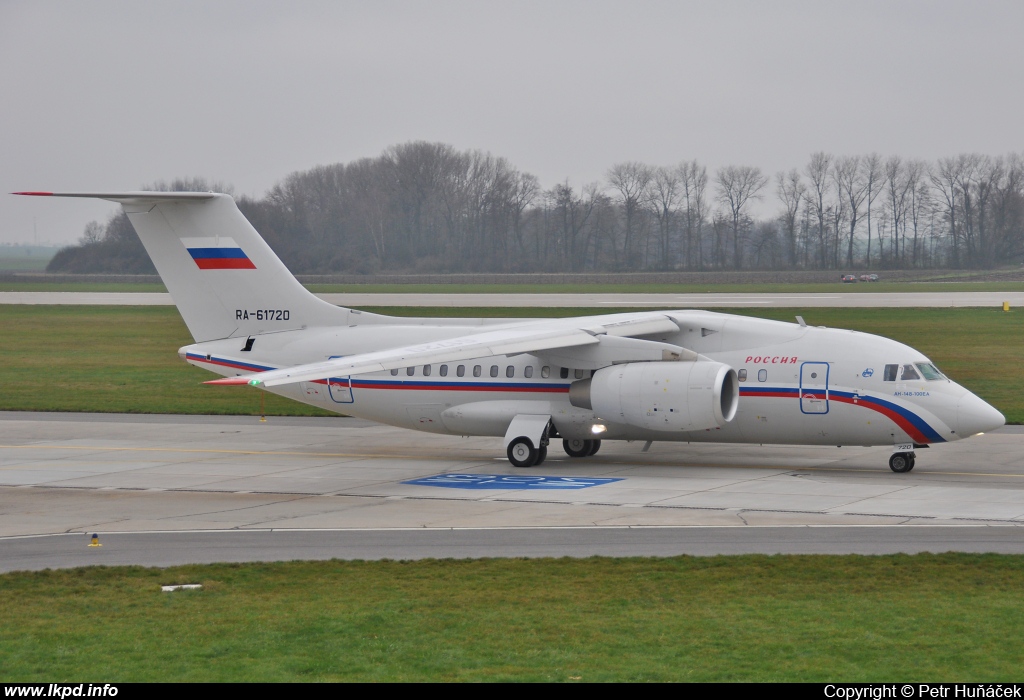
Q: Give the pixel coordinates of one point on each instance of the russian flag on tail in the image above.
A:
(217, 253)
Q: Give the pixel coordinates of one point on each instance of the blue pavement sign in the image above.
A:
(509, 481)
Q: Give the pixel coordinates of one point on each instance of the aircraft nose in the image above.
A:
(975, 416)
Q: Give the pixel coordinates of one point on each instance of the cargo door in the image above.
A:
(340, 389)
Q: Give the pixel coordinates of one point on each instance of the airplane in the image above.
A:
(658, 376)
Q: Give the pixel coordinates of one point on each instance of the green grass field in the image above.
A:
(947, 617)
(17, 263)
(124, 359)
(19, 286)
(664, 288)
(930, 286)
(950, 617)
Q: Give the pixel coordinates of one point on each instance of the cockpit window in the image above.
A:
(889, 375)
(909, 373)
(930, 372)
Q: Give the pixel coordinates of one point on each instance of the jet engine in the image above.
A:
(669, 396)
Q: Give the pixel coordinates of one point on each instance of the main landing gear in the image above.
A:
(902, 462)
(522, 453)
(581, 448)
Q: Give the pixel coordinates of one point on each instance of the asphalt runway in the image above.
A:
(163, 490)
(610, 301)
(178, 548)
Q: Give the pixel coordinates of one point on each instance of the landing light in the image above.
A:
(598, 429)
(977, 434)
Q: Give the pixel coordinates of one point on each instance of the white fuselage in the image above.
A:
(798, 384)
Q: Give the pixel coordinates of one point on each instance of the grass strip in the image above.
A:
(124, 359)
(746, 288)
(946, 617)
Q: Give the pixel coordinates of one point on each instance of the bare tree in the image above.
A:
(663, 195)
(897, 187)
(694, 178)
(872, 177)
(790, 189)
(572, 211)
(92, 234)
(853, 191)
(945, 178)
(919, 202)
(630, 181)
(817, 172)
(527, 189)
(737, 185)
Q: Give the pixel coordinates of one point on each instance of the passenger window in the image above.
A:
(410, 371)
(426, 370)
(394, 373)
(762, 375)
(909, 373)
(889, 375)
(742, 374)
(564, 373)
(444, 370)
(477, 370)
(494, 370)
(579, 374)
(545, 372)
(930, 372)
(528, 372)
(510, 371)
(461, 371)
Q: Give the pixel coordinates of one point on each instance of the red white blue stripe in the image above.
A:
(912, 424)
(217, 253)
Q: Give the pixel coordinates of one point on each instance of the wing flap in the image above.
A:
(504, 342)
(641, 325)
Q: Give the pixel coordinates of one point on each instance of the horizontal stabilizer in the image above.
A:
(122, 197)
(231, 381)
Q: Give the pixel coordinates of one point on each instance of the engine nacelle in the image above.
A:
(670, 396)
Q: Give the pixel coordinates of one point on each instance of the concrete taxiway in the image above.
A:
(609, 301)
(171, 489)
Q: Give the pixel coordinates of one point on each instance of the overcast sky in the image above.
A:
(112, 95)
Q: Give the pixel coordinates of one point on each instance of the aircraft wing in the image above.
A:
(530, 338)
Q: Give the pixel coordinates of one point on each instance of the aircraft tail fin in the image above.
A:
(222, 275)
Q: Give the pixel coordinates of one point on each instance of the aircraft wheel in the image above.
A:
(577, 448)
(542, 454)
(594, 448)
(901, 462)
(522, 453)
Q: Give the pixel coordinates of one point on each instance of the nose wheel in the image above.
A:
(902, 462)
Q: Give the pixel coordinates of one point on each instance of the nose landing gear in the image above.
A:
(902, 462)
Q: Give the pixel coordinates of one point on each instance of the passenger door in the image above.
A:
(814, 387)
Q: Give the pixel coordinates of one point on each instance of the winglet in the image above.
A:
(229, 381)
